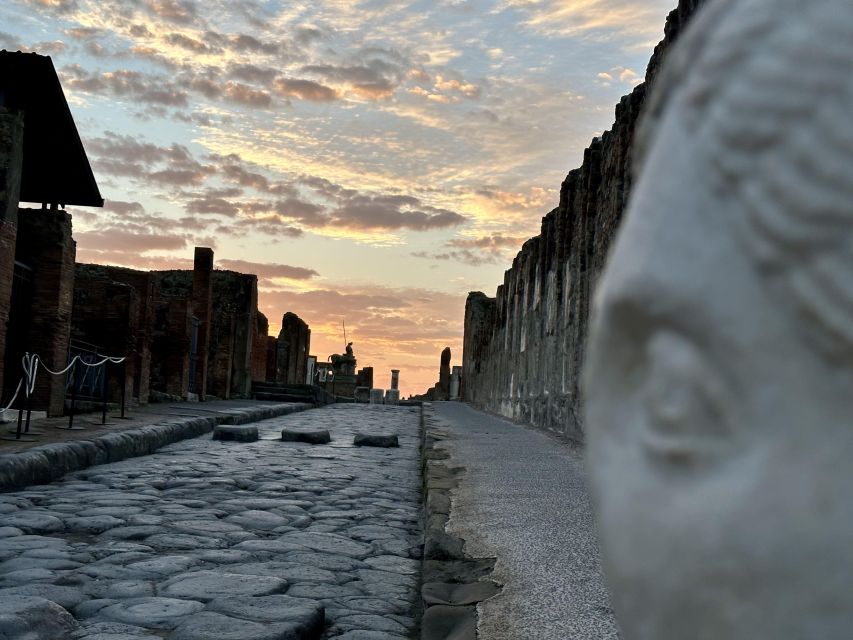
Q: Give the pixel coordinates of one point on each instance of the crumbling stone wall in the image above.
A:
(108, 313)
(87, 320)
(259, 348)
(233, 329)
(523, 349)
(294, 345)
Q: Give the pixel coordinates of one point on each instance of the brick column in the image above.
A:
(45, 244)
(11, 160)
(202, 308)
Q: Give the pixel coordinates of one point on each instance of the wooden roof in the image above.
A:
(56, 169)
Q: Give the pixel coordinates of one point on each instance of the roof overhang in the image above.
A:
(56, 169)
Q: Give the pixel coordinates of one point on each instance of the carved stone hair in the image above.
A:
(769, 103)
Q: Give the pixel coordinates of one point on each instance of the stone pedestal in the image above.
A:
(377, 396)
(362, 394)
(392, 396)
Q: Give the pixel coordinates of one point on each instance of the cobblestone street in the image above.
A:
(204, 539)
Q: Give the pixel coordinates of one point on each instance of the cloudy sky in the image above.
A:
(372, 161)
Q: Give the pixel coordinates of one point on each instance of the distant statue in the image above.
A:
(719, 375)
(345, 363)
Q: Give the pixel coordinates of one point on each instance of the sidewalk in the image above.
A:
(57, 450)
(522, 498)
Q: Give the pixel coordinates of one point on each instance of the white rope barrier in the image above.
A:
(31, 363)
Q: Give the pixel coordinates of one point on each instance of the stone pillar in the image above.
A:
(444, 375)
(395, 379)
(259, 348)
(244, 331)
(455, 380)
(392, 396)
(202, 308)
(294, 343)
(11, 162)
(45, 244)
(480, 317)
(377, 396)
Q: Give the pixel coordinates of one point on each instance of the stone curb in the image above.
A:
(48, 462)
(446, 568)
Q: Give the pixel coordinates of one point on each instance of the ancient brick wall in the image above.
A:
(44, 243)
(523, 349)
(137, 352)
(233, 328)
(170, 333)
(11, 163)
(107, 313)
(259, 348)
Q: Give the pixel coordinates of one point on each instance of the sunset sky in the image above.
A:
(370, 161)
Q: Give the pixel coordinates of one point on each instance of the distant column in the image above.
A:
(444, 375)
(395, 378)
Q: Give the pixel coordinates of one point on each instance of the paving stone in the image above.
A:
(120, 589)
(111, 631)
(205, 527)
(330, 543)
(93, 524)
(394, 564)
(34, 618)
(8, 532)
(164, 565)
(209, 625)
(257, 520)
(66, 597)
(276, 608)
(90, 608)
(368, 622)
(33, 522)
(184, 541)
(153, 613)
(236, 433)
(321, 436)
(330, 561)
(208, 585)
(131, 533)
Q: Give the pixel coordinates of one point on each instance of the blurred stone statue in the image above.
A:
(719, 379)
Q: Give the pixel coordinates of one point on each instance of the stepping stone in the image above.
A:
(309, 437)
(366, 440)
(441, 622)
(235, 433)
(458, 594)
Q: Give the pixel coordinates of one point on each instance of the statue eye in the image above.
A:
(683, 400)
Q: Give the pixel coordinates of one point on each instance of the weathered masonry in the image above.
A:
(523, 349)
